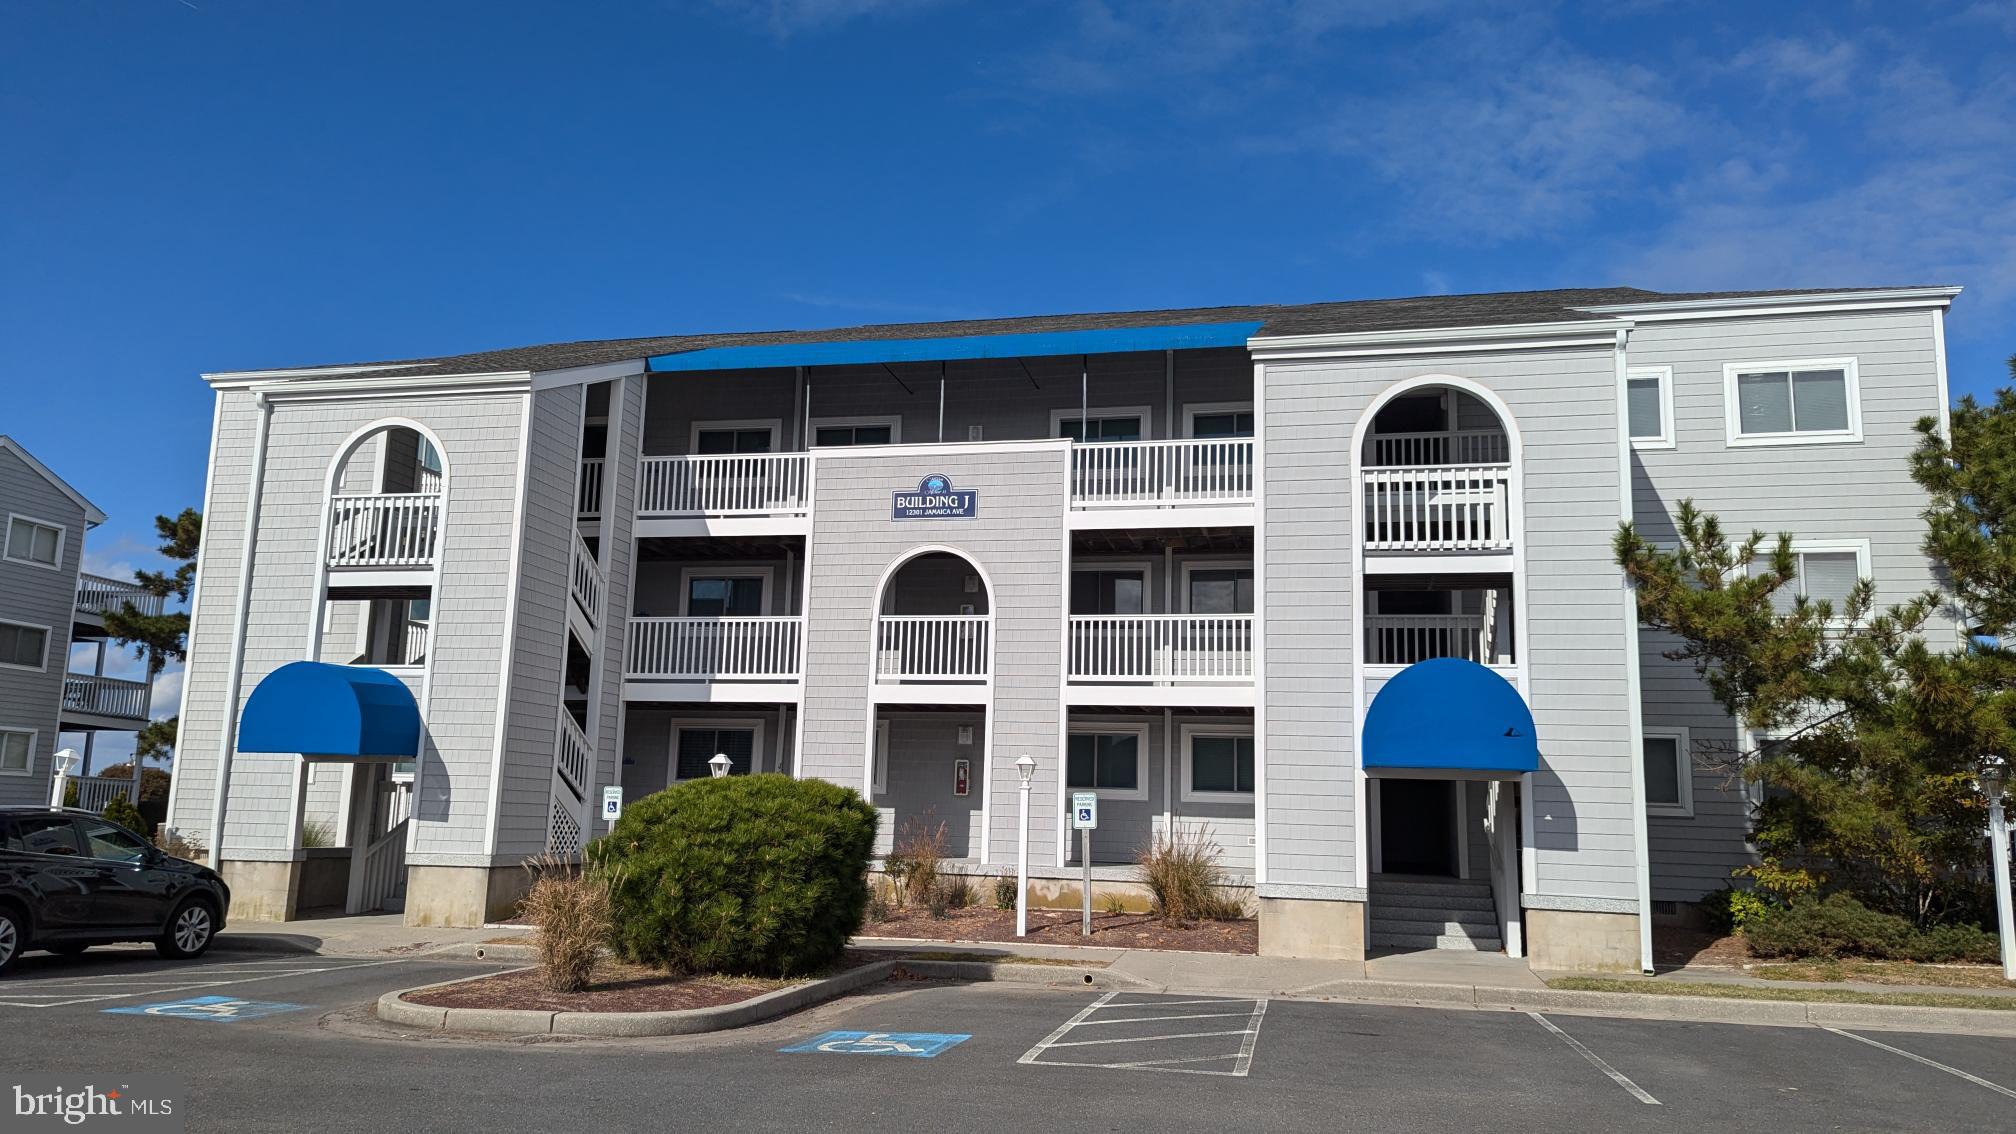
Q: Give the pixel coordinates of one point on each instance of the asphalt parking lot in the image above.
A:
(288, 1042)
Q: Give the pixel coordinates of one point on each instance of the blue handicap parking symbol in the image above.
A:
(222, 1009)
(917, 1045)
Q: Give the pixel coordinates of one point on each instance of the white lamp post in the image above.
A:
(720, 764)
(66, 764)
(1994, 780)
(1025, 767)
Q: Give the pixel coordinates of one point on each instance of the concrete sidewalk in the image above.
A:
(364, 935)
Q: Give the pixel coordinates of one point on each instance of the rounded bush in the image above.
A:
(741, 874)
(1839, 926)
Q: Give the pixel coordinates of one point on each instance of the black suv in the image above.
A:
(70, 880)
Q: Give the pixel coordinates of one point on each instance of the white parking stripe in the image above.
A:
(1158, 1019)
(1933, 1063)
(1030, 1055)
(1153, 1039)
(193, 980)
(1595, 1060)
(1241, 1060)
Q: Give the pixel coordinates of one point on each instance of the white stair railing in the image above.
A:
(1403, 639)
(590, 503)
(741, 484)
(1487, 642)
(413, 643)
(388, 530)
(104, 696)
(932, 647)
(715, 649)
(1162, 648)
(572, 753)
(384, 868)
(1442, 509)
(1158, 473)
(588, 582)
(97, 594)
(1444, 447)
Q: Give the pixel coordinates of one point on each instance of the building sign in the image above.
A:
(935, 499)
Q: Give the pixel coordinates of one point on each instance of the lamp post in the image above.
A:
(1025, 767)
(65, 767)
(1994, 780)
(719, 765)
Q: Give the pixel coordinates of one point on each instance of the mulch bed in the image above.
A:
(1674, 946)
(1057, 927)
(618, 987)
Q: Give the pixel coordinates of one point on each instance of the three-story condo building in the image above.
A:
(1332, 583)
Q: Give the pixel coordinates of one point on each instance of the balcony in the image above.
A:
(1161, 658)
(1131, 483)
(1403, 639)
(388, 531)
(947, 657)
(97, 594)
(1460, 508)
(103, 702)
(741, 486)
(715, 659)
(587, 583)
(1445, 447)
(589, 506)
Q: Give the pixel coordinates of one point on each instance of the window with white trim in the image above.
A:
(1214, 422)
(17, 749)
(24, 646)
(1218, 763)
(833, 433)
(716, 438)
(693, 748)
(1805, 401)
(1110, 423)
(1218, 590)
(1108, 762)
(1822, 571)
(1109, 590)
(1648, 405)
(1669, 774)
(32, 541)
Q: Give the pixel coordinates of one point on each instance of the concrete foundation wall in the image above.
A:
(261, 891)
(464, 896)
(1581, 941)
(1303, 927)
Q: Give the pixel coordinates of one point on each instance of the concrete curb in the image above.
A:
(1018, 972)
(263, 943)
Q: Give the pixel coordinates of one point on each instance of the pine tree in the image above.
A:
(161, 638)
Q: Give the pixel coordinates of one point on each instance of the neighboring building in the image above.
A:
(1333, 582)
(46, 605)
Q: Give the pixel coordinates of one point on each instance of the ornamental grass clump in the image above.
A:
(1180, 869)
(763, 875)
(571, 908)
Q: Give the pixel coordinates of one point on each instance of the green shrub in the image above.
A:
(758, 874)
(1729, 909)
(1839, 926)
(1004, 892)
(318, 833)
(957, 890)
(122, 812)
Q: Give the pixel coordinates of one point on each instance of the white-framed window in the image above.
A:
(17, 751)
(833, 432)
(1217, 587)
(1207, 420)
(724, 592)
(697, 741)
(1823, 570)
(1801, 401)
(1109, 759)
(35, 542)
(881, 778)
(714, 438)
(1648, 406)
(1669, 772)
(24, 646)
(1099, 587)
(1103, 423)
(1218, 763)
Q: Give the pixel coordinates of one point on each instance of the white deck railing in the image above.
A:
(388, 530)
(384, 869)
(587, 581)
(590, 503)
(96, 594)
(105, 696)
(1403, 639)
(715, 649)
(1454, 447)
(1461, 508)
(932, 647)
(427, 480)
(413, 644)
(1161, 473)
(743, 484)
(94, 792)
(1162, 648)
(571, 752)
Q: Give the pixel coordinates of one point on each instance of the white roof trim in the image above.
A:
(91, 513)
(221, 376)
(1509, 335)
(1913, 296)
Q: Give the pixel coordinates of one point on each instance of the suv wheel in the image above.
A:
(190, 931)
(13, 937)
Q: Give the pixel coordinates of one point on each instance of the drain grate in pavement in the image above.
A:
(1131, 1032)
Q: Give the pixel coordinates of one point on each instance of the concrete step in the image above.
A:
(1383, 884)
(1432, 925)
(1381, 900)
(1433, 941)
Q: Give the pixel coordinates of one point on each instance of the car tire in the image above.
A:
(13, 937)
(191, 929)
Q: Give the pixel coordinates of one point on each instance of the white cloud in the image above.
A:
(786, 18)
(1822, 68)
(167, 694)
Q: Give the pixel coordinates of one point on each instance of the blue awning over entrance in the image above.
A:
(318, 709)
(1105, 340)
(1450, 715)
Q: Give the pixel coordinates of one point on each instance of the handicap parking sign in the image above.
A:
(915, 1045)
(222, 1009)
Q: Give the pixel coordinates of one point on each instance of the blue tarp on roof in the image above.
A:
(855, 352)
(318, 709)
(1450, 715)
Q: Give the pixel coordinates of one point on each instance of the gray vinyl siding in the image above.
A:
(1017, 540)
(37, 596)
(1821, 492)
(479, 435)
(539, 653)
(648, 737)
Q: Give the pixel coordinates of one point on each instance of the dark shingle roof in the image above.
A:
(1428, 312)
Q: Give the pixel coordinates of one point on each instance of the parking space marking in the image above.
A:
(78, 990)
(216, 1009)
(1933, 1063)
(1597, 1062)
(914, 1045)
(1241, 1059)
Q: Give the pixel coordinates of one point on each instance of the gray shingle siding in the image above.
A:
(34, 595)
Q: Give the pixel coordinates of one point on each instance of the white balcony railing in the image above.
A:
(1451, 447)
(587, 581)
(387, 530)
(571, 753)
(715, 649)
(97, 594)
(413, 644)
(1162, 648)
(1162, 473)
(105, 696)
(1403, 639)
(742, 484)
(932, 647)
(1461, 508)
(590, 503)
(95, 792)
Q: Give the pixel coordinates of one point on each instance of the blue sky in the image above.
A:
(200, 185)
